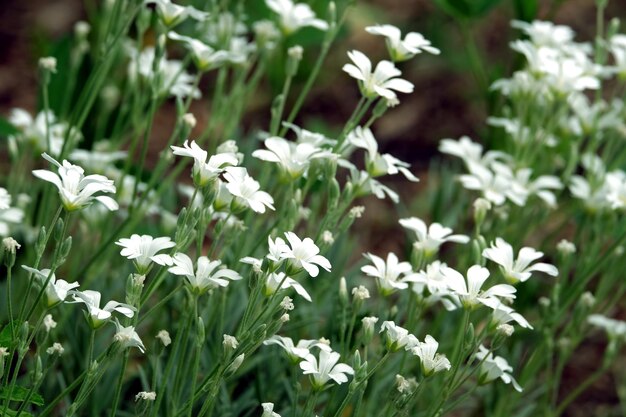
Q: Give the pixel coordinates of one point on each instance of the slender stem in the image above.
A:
(120, 382)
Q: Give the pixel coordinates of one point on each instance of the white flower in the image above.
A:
(496, 182)
(4, 352)
(143, 250)
(205, 57)
(304, 254)
(246, 190)
(390, 275)
(49, 323)
(376, 163)
(617, 45)
(293, 158)
(230, 342)
(565, 247)
(401, 50)
(145, 396)
(431, 361)
(48, 63)
(504, 314)
(432, 278)
(616, 184)
(429, 238)
(326, 369)
(381, 82)
(275, 279)
(5, 199)
(172, 14)
(470, 151)
(397, 337)
(614, 328)
(298, 351)
(204, 172)
(57, 290)
(10, 245)
(207, 276)
(469, 291)
(164, 337)
(99, 316)
(543, 33)
(494, 367)
(268, 410)
(55, 349)
(173, 79)
(295, 16)
(312, 138)
(520, 269)
(75, 189)
(97, 160)
(127, 337)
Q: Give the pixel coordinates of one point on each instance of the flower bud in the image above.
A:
(48, 64)
(234, 365)
(369, 324)
(82, 29)
(343, 292)
(481, 207)
(200, 332)
(294, 56)
(55, 350)
(230, 343)
(9, 247)
(566, 248)
(164, 337)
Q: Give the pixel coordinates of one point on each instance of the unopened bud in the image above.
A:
(48, 64)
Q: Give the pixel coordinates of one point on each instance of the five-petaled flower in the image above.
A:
(127, 337)
(207, 275)
(143, 250)
(431, 361)
(57, 290)
(204, 172)
(381, 82)
(469, 291)
(520, 269)
(97, 316)
(429, 238)
(75, 189)
(390, 275)
(493, 367)
(295, 16)
(325, 369)
(304, 253)
(246, 190)
(401, 50)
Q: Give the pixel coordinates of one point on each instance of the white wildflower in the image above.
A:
(493, 367)
(401, 50)
(246, 190)
(98, 316)
(520, 269)
(381, 82)
(57, 290)
(431, 361)
(430, 238)
(143, 250)
(207, 275)
(295, 16)
(325, 369)
(75, 189)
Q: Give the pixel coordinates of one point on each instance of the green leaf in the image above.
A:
(10, 413)
(19, 394)
(526, 9)
(6, 335)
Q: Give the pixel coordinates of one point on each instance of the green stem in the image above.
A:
(120, 382)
